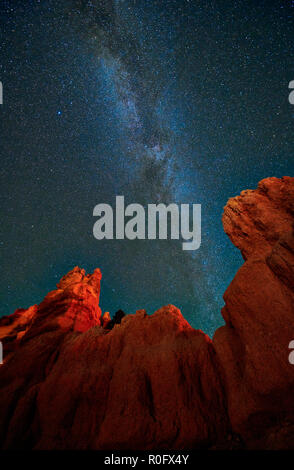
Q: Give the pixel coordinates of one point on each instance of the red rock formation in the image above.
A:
(105, 319)
(259, 310)
(73, 306)
(13, 327)
(256, 219)
(149, 382)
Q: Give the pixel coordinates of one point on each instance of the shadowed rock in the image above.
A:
(118, 316)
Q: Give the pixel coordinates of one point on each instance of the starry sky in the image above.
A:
(160, 101)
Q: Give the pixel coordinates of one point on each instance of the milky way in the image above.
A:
(159, 101)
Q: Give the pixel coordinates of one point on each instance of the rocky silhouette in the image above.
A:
(118, 316)
(74, 379)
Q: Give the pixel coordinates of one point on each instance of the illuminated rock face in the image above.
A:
(151, 381)
(73, 306)
(257, 219)
(73, 379)
(259, 310)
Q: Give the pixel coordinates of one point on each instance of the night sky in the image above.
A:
(160, 101)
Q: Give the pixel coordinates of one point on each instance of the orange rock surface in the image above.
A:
(259, 310)
(72, 379)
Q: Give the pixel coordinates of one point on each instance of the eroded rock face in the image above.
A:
(13, 327)
(256, 219)
(259, 310)
(73, 379)
(73, 306)
(150, 382)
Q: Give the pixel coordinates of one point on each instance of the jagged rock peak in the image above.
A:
(255, 220)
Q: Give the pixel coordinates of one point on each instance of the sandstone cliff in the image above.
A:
(259, 313)
(73, 379)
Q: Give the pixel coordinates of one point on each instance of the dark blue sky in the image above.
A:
(159, 101)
